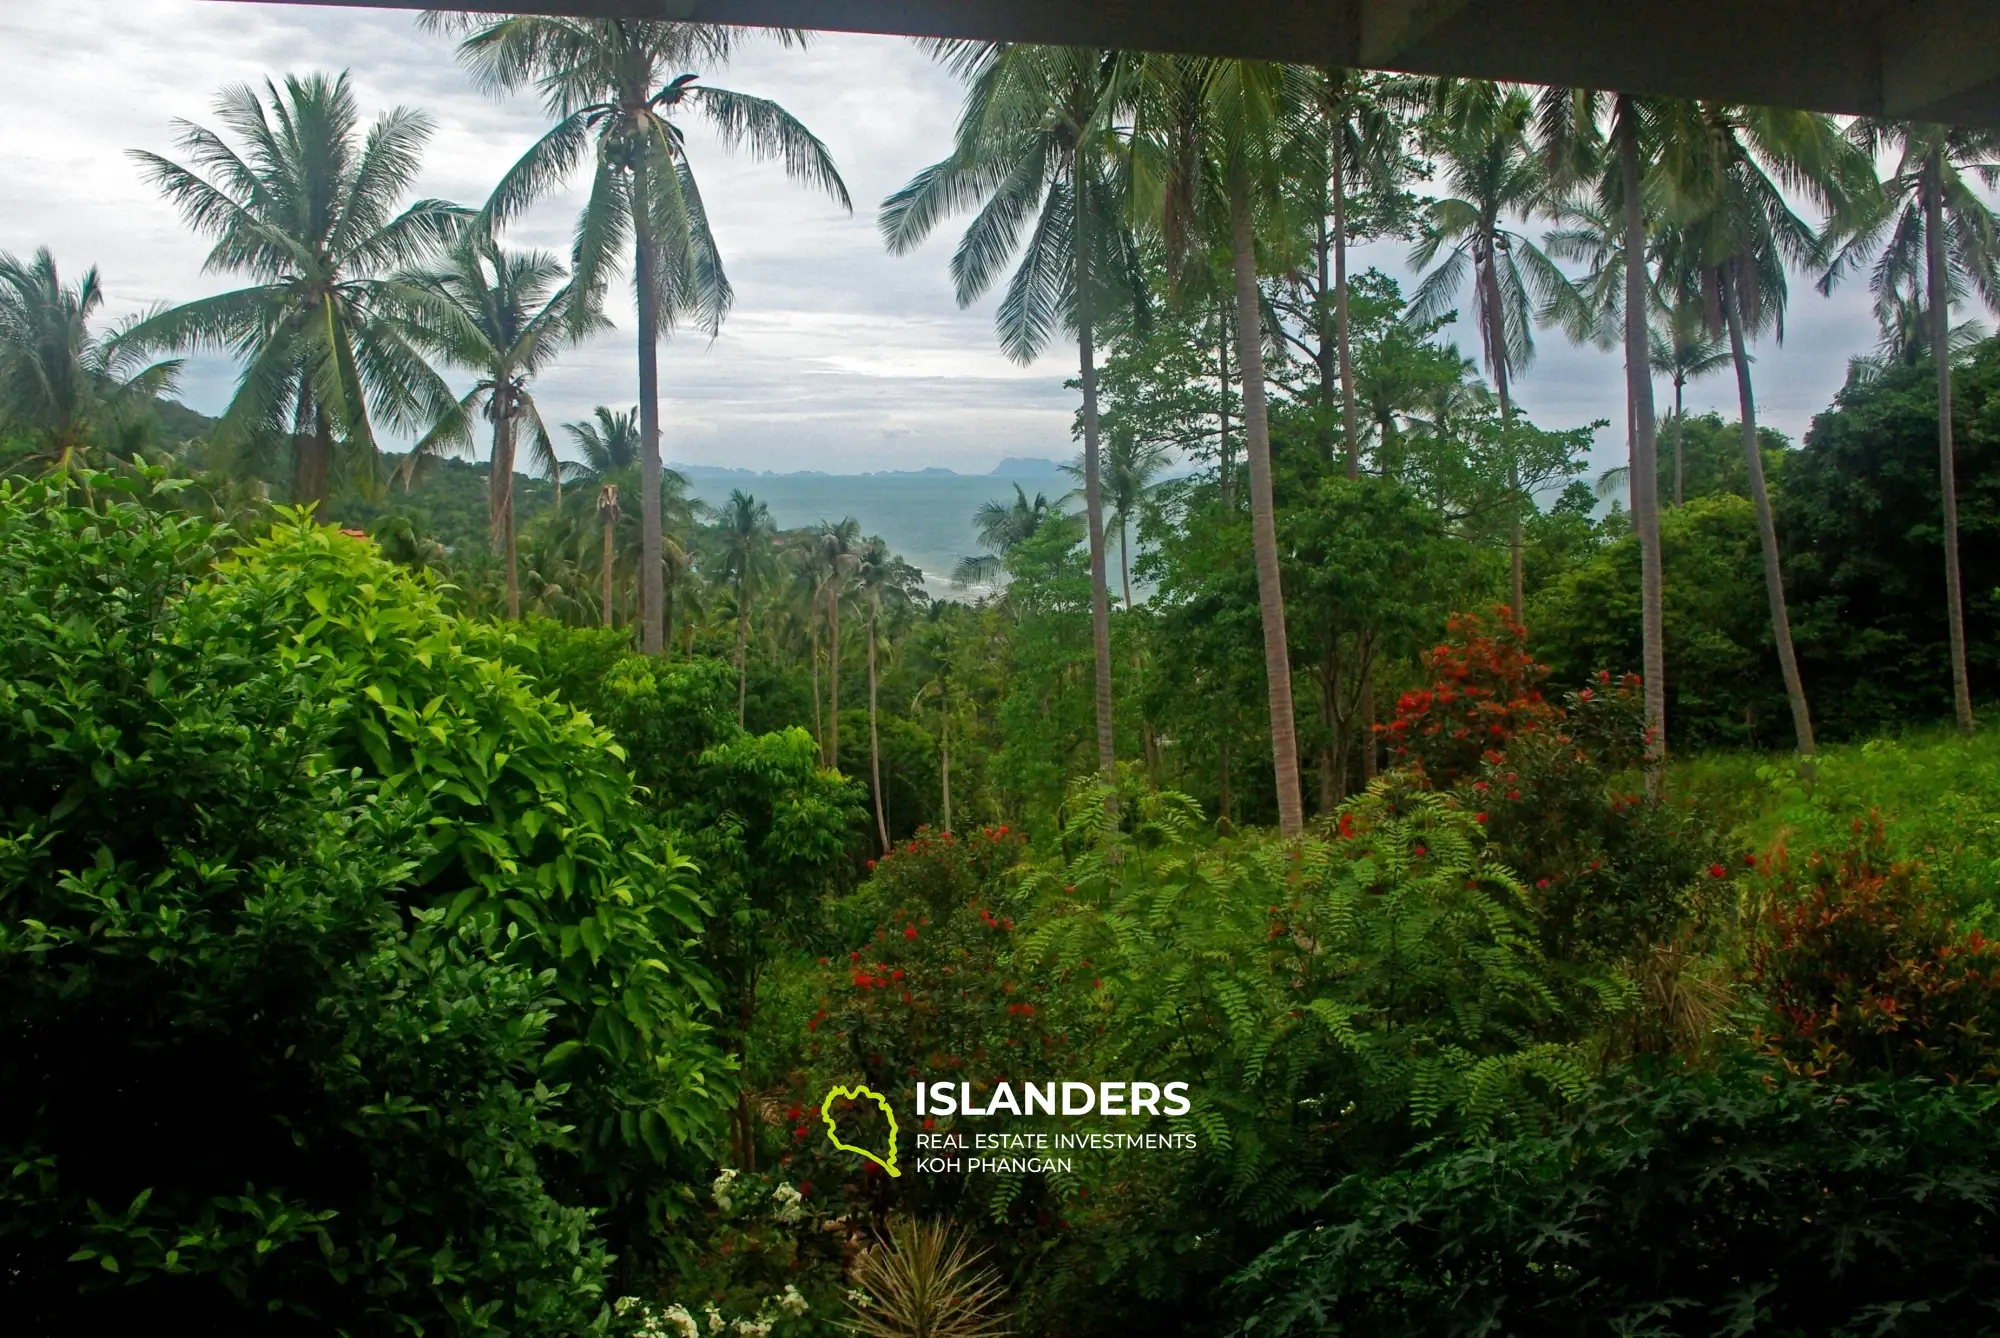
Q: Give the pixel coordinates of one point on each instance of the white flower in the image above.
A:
(715, 1321)
(790, 1203)
(681, 1322)
(753, 1328)
(623, 1304)
(720, 1189)
(857, 1298)
(791, 1302)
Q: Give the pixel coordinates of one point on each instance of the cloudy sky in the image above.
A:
(837, 356)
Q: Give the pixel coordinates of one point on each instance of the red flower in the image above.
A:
(911, 932)
(1717, 871)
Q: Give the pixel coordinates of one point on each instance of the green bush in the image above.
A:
(347, 973)
(1741, 1202)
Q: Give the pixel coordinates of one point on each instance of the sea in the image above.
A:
(926, 517)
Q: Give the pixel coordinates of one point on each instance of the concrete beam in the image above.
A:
(1931, 59)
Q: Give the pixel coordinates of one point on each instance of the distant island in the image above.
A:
(1014, 466)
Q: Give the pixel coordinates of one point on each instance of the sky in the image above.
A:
(837, 356)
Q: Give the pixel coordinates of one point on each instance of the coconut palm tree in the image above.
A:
(1732, 173)
(1000, 526)
(502, 316)
(609, 444)
(1039, 139)
(745, 532)
(1682, 351)
(1130, 467)
(1930, 225)
(884, 580)
(1226, 134)
(1606, 145)
(62, 387)
(615, 88)
(1479, 131)
(1904, 320)
(304, 208)
(837, 551)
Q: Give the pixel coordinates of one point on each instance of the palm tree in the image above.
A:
(1730, 174)
(61, 386)
(838, 551)
(1226, 131)
(1364, 147)
(1000, 526)
(1130, 466)
(1684, 351)
(610, 448)
(615, 85)
(1480, 132)
(1930, 221)
(1904, 319)
(1038, 139)
(745, 531)
(1606, 144)
(500, 315)
(305, 209)
(884, 579)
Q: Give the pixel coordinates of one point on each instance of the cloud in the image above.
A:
(837, 355)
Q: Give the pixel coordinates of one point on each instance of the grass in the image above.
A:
(1937, 794)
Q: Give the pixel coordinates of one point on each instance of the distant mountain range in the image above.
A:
(1014, 466)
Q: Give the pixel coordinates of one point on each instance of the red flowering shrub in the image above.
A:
(1485, 690)
(1610, 868)
(929, 990)
(1865, 976)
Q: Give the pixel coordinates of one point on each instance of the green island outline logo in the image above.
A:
(856, 1093)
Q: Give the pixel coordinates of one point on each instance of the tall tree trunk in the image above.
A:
(1767, 531)
(1343, 344)
(1645, 462)
(1222, 768)
(1326, 360)
(833, 673)
(312, 452)
(1940, 299)
(874, 738)
(1226, 475)
(500, 490)
(742, 648)
(1496, 357)
(645, 260)
(1680, 435)
(1093, 483)
(610, 519)
(1124, 561)
(819, 722)
(1263, 518)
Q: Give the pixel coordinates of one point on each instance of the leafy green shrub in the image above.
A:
(1738, 1202)
(1865, 974)
(313, 927)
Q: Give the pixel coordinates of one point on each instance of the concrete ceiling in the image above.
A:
(1933, 60)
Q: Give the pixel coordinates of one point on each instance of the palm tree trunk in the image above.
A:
(1093, 483)
(1645, 461)
(1124, 561)
(833, 674)
(608, 561)
(312, 450)
(500, 491)
(1496, 356)
(1940, 300)
(1263, 518)
(819, 721)
(1343, 344)
(1680, 435)
(652, 635)
(1226, 471)
(742, 648)
(874, 738)
(1767, 532)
